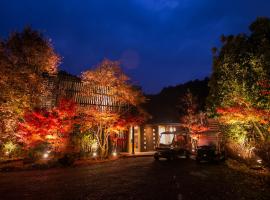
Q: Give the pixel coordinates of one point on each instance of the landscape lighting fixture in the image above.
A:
(259, 161)
(45, 155)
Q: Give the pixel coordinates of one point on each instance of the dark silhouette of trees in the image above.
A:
(164, 107)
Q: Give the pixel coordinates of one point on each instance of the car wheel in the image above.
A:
(170, 158)
(223, 157)
(156, 157)
(187, 154)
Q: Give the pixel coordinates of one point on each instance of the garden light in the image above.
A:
(95, 145)
(94, 154)
(259, 161)
(114, 153)
(45, 155)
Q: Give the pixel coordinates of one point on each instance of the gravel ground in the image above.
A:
(134, 178)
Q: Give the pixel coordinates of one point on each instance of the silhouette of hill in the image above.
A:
(163, 106)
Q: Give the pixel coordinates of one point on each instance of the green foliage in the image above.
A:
(240, 142)
(241, 79)
(85, 142)
(237, 132)
(11, 150)
(36, 153)
(239, 67)
(9, 147)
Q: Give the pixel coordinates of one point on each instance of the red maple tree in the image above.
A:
(193, 119)
(244, 112)
(50, 126)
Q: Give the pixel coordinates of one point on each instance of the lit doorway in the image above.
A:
(137, 143)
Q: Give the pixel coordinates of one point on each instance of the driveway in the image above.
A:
(134, 178)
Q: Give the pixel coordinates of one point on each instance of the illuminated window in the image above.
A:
(166, 139)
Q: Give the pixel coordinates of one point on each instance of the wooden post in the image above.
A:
(133, 140)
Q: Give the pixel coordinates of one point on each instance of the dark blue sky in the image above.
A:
(160, 42)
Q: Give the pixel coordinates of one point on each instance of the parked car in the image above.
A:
(172, 145)
(209, 153)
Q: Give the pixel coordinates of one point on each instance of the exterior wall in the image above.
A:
(68, 86)
(48, 99)
(87, 96)
(137, 139)
(212, 136)
(149, 134)
(149, 137)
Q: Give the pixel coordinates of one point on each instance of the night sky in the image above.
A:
(159, 42)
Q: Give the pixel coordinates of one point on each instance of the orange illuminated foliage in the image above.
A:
(192, 119)
(25, 58)
(244, 113)
(131, 119)
(113, 109)
(198, 128)
(265, 87)
(240, 113)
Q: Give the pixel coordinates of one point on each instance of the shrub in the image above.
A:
(67, 160)
(37, 152)
(10, 149)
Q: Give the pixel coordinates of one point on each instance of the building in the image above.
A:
(146, 136)
(141, 138)
(72, 87)
(64, 85)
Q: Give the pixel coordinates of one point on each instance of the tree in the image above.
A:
(113, 97)
(24, 59)
(169, 99)
(239, 85)
(241, 68)
(192, 117)
(48, 126)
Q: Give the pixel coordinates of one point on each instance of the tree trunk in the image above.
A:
(259, 131)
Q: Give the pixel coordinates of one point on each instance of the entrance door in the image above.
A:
(136, 139)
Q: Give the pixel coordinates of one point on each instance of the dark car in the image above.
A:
(173, 145)
(209, 153)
